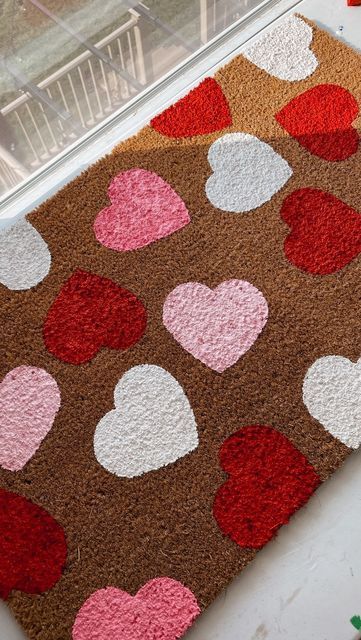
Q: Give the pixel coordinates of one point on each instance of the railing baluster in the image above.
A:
(141, 75)
(106, 86)
(114, 76)
(132, 65)
(76, 100)
(56, 146)
(59, 120)
(28, 139)
(101, 112)
(86, 96)
(38, 132)
(125, 85)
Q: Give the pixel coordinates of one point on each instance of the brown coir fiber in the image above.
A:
(121, 531)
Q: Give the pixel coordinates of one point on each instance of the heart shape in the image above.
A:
(24, 257)
(332, 395)
(216, 326)
(89, 313)
(151, 426)
(269, 480)
(325, 232)
(247, 173)
(32, 546)
(29, 402)
(321, 121)
(163, 609)
(203, 110)
(144, 209)
(284, 52)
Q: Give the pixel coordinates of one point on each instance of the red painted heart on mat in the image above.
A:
(89, 313)
(326, 232)
(32, 546)
(320, 119)
(269, 480)
(203, 110)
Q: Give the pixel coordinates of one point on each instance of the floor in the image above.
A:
(307, 583)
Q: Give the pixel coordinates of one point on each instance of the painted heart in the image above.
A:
(89, 313)
(321, 121)
(144, 209)
(29, 402)
(203, 110)
(325, 232)
(24, 257)
(269, 480)
(32, 546)
(332, 395)
(163, 609)
(219, 325)
(247, 173)
(284, 52)
(151, 426)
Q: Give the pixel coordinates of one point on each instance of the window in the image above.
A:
(67, 65)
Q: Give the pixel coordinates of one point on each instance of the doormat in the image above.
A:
(181, 343)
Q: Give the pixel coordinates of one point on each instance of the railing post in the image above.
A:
(143, 34)
(206, 8)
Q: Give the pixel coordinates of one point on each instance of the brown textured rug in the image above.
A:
(180, 336)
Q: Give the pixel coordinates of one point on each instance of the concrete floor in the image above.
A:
(307, 583)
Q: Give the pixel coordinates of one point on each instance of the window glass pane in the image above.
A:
(66, 65)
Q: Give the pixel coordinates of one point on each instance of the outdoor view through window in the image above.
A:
(66, 65)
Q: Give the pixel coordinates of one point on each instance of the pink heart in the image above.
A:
(163, 609)
(29, 401)
(216, 326)
(144, 209)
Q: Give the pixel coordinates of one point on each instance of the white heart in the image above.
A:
(151, 426)
(24, 257)
(285, 52)
(247, 172)
(332, 395)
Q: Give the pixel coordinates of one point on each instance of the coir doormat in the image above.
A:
(181, 334)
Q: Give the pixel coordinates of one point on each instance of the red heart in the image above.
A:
(32, 546)
(326, 232)
(269, 480)
(203, 110)
(320, 119)
(89, 313)
(354, 3)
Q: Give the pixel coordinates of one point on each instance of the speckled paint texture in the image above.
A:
(249, 357)
(151, 426)
(163, 609)
(29, 402)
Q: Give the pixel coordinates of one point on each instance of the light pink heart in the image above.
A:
(219, 325)
(163, 609)
(29, 401)
(144, 209)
